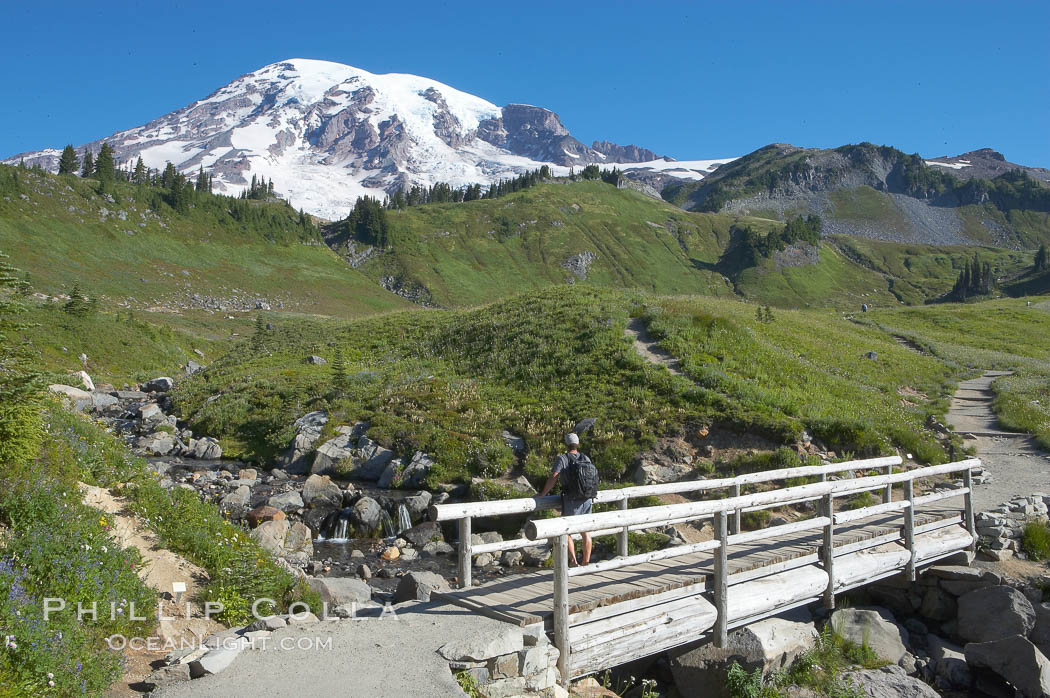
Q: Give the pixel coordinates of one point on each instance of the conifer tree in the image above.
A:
(339, 378)
(87, 166)
(1041, 261)
(68, 163)
(78, 304)
(105, 166)
(140, 176)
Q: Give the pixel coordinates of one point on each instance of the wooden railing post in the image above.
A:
(464, 553)
(827, 550)
(621, 537)
(561, 605)
(968, 519)
(735, 524)
(909, 528)
(721, 590)
(887, 492)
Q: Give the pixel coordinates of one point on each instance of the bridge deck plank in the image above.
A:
(526, 598)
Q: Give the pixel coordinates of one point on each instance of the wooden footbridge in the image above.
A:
(614, 611)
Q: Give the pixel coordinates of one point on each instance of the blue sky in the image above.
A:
(687, 79)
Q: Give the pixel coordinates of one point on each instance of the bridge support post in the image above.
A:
(621, 537)
(909, 528)
(968, 519)
(735, 523)
(827, 550)
(464, 553)
(721, 630)
(561, 605)
(887, 492)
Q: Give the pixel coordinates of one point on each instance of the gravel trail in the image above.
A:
(1016, 464)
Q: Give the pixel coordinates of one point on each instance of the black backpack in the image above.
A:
(580, 477)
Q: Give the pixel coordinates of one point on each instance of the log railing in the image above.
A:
(466, 511)
(559, 531)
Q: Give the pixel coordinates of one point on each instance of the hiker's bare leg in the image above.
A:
(572, 552)
(586, 548)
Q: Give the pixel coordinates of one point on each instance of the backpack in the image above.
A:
(580, 478)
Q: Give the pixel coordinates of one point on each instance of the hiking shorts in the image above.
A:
(575, 507)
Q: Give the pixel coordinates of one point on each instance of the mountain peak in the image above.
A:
(326, 133)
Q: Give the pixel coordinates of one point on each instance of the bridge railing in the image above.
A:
(465, 512)
(559, 530)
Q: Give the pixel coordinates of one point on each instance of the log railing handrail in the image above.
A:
(660, 515)
(463, 512)
(560, 529)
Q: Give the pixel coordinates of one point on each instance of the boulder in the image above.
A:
(103, 402)
(480, 647)
(1016, 660)
(205, 448)
(336, 591)
(158, 385)
(417, 504)
(236, 502)
(994, 613)
(80, 399)
(167, 675)
(284, 539)
(158, 443)
(769, 645)
(319, 490)
(651, 472)
(398, 474)
(217, 659)
(437, 548)
(1040, 636)
(264, 513)
(949, 662)
(513, 441)
(889, 682)
(423, 533)
(85, 381)
(330, 454)
(316, 360)
(192, 367)
(366, 515)
(307, 433)
(938, 604)
(287, 501)
(149, 411)
(416, 586)
(867, 627)
(370, 460)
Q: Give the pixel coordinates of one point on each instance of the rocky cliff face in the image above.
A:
(326, 133)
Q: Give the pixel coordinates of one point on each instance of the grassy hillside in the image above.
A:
(468, 253)
(131, 248)
(454, 255)
(448, 382)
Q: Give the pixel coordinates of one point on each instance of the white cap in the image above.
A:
(572, 440)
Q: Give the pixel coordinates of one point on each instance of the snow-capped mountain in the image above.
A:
(326, 133)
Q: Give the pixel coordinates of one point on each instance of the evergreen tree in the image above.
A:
(1041, 261)
(20, 426)
(87, 164)
(140, 176)
(68, 163)
(259, 335)
(367, 222)
(78, 304)
(105, 166)
(769, 314)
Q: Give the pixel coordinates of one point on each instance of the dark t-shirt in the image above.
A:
(570, 507)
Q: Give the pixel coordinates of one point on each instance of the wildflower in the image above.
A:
(105, 549)
(51, 684)
(50, 675)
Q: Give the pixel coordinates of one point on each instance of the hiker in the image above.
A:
(579, 485)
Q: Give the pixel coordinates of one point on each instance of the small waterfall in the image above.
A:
(404, 519)
(388, 524)
(336, 526)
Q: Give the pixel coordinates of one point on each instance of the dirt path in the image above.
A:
(161, 569)
(649, 349)
(1016, 464)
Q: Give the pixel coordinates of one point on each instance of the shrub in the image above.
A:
(1035, 540)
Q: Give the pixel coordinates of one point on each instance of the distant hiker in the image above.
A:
(579, 486)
